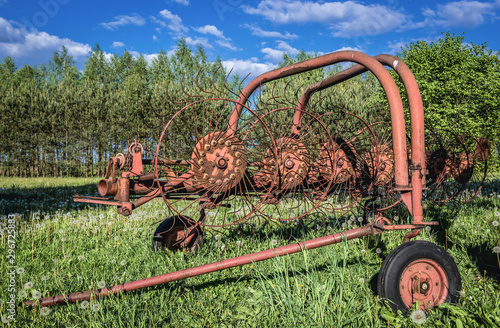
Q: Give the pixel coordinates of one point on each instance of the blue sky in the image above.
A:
(250, 36)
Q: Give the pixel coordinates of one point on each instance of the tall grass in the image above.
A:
(65, 247)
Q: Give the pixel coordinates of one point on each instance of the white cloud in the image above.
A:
(276, 55)
(466, 14)
(135, 54)
(182, 2)
(395, 46)
(346, 19)
(155, 38)
(10, 31)
(34, 48)
(243, 67)
(118, 44)
(123, 20)
(227, 44)
(273, 55)
(196, 41)
(428, 12)
(171, 52)
(211, 29)
(108, 56)
(148, 57)
(270, 34)
(350, 49)
(173, 22)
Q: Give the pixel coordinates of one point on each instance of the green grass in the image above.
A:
(66, 247)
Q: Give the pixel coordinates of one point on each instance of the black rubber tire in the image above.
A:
(398, 260)
(161, 233)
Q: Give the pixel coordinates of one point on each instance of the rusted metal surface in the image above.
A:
(220, 168)
(292, 164)
(339, 165)
(442, 164)
(385, 79)
(417, 124)
(457, 166)
(217, 172)
(287, 160)
(218, 162)
(424, 280)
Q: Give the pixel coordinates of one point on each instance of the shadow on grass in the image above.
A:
(303, 230)
(44, 199)
(480, 253)
(486, 261)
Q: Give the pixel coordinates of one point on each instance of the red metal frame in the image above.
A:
(411, 196)
(388, 84)
(411, 191)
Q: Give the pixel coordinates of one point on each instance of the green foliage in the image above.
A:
(459, 84)
(58, 121)
(357, 95)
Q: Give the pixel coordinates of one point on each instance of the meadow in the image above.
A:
(62, 246)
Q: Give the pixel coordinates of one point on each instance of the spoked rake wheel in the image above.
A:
(342, 160)
(205, 170)
(457, 165)
(470, 166)
(383, 198)
(292, 194)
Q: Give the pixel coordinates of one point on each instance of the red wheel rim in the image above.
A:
(423, 280)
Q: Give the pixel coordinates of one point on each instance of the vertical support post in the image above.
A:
(412, 197)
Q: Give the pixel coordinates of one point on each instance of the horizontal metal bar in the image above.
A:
(370, 229)
(97, 201)
(413, 225)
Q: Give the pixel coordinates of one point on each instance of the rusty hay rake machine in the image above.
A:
(280, 161)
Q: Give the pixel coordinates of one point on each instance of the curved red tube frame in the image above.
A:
(385, 79)
(401, 177)
(416, 116)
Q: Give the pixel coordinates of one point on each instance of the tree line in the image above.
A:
(61, 121)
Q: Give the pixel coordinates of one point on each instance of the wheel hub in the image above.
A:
(292, 163)
(423, 280)
(222, 163)
(219, 162)
(334, 162)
